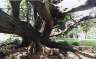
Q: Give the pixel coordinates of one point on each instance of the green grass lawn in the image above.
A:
(88, 42)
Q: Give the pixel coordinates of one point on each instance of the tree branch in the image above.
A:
(43, 11)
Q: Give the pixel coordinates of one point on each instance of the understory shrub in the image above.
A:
(75, 43)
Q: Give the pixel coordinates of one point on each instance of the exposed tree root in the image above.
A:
(46, 53)
(65, 48)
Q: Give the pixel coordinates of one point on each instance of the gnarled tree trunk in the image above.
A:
(14, 26)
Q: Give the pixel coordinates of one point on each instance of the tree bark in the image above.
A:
(45, 14)
(12, 26)
(15, 9)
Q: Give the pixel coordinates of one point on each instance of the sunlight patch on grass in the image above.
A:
(87, 42)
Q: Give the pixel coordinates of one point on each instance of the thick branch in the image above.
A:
(69, 25)
(24, 29)
(43, 10)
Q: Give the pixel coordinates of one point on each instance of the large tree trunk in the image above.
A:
(12, 26)
(25, 30)
(15, 8)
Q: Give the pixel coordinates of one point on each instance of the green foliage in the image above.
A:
(75, 43)
(65, 43)
(17, 41)
(85, 25)
(67, 17)
(26, 10)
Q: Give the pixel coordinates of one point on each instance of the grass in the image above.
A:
(88, 42)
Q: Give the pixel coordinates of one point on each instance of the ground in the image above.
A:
(53, 53)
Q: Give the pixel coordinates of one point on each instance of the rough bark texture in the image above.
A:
(15, 8)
